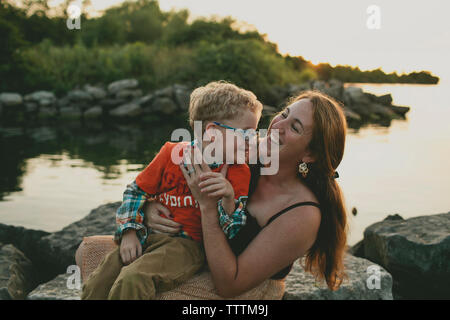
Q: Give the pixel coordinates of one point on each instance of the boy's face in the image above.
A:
(235, 142)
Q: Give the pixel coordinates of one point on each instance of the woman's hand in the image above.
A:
(193, 173)
(153, 219)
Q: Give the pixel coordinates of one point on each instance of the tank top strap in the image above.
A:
(298, 204)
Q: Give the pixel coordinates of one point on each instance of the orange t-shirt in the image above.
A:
(164, 179)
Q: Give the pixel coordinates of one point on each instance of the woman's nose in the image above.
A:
(279, 125)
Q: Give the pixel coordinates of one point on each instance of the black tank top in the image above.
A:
(251, 229)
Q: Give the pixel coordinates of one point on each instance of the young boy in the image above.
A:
(146, 264)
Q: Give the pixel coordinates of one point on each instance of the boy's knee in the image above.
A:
(132, 286)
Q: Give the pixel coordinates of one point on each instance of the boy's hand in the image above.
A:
(130, 247)
(216, 185)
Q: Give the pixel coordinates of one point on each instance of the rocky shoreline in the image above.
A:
(396, 259)
(124, 100)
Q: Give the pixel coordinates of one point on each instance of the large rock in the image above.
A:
(26, 240)
(385, 99)
(400, 110)
(129, 94)
(351, 115)
(16, 273)
(415, 251)
(95, 92)
(79, 96)
(42, 97)
(10, 99)
(333, 88)
(120, 85)
(127, 110)
(57, 250)
(111, 103)
(361, 283)
(355, 96)
(62, 287)
(164, 105)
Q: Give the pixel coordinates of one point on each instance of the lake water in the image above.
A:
(53, 176)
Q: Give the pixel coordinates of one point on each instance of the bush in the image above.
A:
(63, 68)
(248, 63)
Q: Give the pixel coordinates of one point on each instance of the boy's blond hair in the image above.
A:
(220, 100)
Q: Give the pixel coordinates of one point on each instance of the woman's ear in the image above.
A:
(308, 157)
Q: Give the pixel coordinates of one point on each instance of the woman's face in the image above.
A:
(294, 125)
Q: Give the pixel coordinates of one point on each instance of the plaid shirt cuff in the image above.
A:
(141, 231)
(231, 224)
(130, 214)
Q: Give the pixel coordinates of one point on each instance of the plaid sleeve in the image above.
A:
(231, 224)
(130, 214)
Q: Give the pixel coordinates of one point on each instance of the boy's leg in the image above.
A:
(165, 263)
(102, 278)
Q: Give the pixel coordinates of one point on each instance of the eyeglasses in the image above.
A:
(246, 133)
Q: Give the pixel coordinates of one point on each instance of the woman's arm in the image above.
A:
(282, 242)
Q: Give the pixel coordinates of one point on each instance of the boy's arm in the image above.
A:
(232, 223)
(232, 215)
(130, 214)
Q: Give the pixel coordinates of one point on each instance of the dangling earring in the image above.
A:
(303, 169)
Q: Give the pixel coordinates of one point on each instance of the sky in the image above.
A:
(413, 35)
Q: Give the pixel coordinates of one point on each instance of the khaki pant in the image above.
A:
(165, 263)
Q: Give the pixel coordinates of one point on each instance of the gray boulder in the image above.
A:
(127, 110)
(333, 88)
(164, 92)
(95, 92)
(163, 105)
(16, 273)
(385, 99)
(62, 287)
(351, 115)
(355, 96)
(415, 251)
(362, 283)
(79, 95)
(294, 89)
(57, 250)
(145, 101)
(120, 85)
(400, 110)
(129, 94)
(39, 96)
(10, 99)
(112, 103)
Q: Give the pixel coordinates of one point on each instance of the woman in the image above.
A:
(297, 212)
